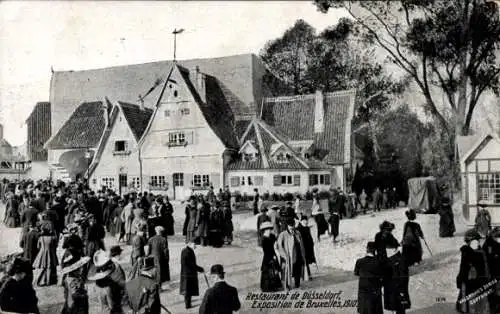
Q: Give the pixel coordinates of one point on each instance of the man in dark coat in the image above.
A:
(396, 279)
(216, 225)
(221, 298)
(228, 222)
(158, 249)
(29, 243)
(446, 221)
(16, 293)
(370, 272)
(255, 202)
(491, 248)
(307, 240)
(382, 237)
(377, 199)
(189, 274)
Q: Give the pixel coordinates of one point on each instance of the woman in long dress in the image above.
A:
(127, 216)
(446, 220)
(269, 271)
(75, 293)
(46, 260)
(412, 247)
(12, 217)
(473, 275)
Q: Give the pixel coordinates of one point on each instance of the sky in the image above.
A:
(40, 35)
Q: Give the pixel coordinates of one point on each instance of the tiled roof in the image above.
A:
(294, 117)
(137, 118)
(215, 109)
(264, 137)
(240, 127)
(240, 77)
(83, 129)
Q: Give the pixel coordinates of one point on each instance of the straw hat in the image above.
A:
(482, 203)
(103, 264)
(71, 264)
(266, 225)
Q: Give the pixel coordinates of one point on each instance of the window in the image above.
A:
(489, 188)
(157, 181)
(172, 138)
(235, 181)
(135, 183)
(259, 180)
(177, 139)
(184, 111)
(248, 157)
(286, 180)
(120, 146)
(201, 180)
(181, 138)
(315, 179)
(280, 157)
(108, 182)
(166, 113)
(242, 182)
(178, 179)
(250, 181)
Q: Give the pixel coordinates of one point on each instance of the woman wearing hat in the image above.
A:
(17, 294)
(369, 269)
(446, 221)
(110, 279)
(75, 293)
(158, 249)
(473, 275)
(46, 260)
(412, 232)
(396, 278)
(381, 237)
(261, 219)
(269, 271)
(12, 218)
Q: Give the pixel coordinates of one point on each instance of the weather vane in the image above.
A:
(175, 32)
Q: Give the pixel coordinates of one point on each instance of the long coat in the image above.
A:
(144, 295)
(472, 275)
(191, 226)
(370, 271)
(269, 280)
(396, 280)
(127, 216)
(482, 222)
(138, 243)
(288, 252)
(29, 244)
(492, 251)
(12, 213)
(446, 222)
(260, 219)
(75, 296)
(307, 240)
(412, 247)
(158, 248)
(94, 241)
(189, 273)
(202, 218)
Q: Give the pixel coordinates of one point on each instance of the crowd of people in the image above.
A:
(78, 219)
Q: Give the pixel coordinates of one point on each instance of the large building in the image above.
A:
(39, 130)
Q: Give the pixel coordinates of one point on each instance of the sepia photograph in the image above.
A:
(217, 157)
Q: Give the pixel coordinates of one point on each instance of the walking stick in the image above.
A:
(206, 280)
(430, 252)
(165, 308)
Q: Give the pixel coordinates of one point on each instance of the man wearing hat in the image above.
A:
(446, 220)
(221, 298)
(292, 255)
(189, 273)
(158, 250)
(216, 225)
(228, 223)
(75, 294)
(483, 219)
(396, 278)
(110, 278)
(370, 272)
(143, 292)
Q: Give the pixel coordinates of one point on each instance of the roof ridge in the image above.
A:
(287, 98)
(265, 162)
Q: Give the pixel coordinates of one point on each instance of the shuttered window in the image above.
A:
(313, 179)
(259, 180)
(327, 179)
(277, 180)
(235, 181)
(296, 180)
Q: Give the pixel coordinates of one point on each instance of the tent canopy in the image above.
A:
(423, 194)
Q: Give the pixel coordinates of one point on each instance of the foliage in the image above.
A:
(333, 60)
(444, 46)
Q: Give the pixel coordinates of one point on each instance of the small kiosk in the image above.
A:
(480, 172)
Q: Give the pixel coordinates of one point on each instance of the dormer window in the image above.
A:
(280, 157)
(121, 148)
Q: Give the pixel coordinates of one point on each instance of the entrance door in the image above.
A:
(179, 186)
(122, 183)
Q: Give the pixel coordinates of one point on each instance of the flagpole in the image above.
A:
(175, 32)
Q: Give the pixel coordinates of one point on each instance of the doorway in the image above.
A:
(178, 186)
(122, 183)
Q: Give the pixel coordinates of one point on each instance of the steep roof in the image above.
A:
(137, 118)
(238, 75)
(294, 116)
(215, 109)
(83, 129)
(466, 143)
(264, 137)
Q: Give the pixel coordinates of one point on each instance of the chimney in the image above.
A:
(198, 80)
(141, 103)
(319, 113)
